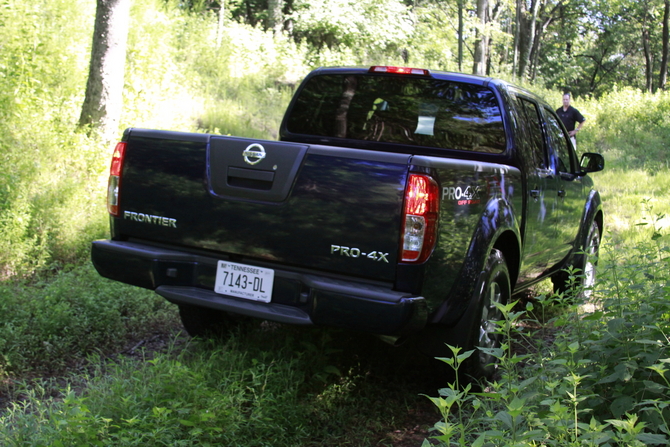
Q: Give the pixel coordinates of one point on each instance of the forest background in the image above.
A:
(198, 65)
(231, 68)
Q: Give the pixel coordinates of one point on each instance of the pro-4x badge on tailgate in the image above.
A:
(352, 252)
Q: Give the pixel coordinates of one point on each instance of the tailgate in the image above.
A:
(315, 207)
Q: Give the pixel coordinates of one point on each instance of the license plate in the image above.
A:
(244, 281)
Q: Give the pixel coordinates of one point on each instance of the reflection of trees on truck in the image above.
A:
(422, 112)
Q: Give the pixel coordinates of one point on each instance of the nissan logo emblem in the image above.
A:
(254, 153)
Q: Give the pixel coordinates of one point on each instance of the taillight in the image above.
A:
(115, 179)
(399, 70)
(419, 232)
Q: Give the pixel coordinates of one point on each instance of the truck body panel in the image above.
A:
(343, 199)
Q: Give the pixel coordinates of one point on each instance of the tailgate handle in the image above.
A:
(250, 178)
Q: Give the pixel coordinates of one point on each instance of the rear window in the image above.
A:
(395, 109)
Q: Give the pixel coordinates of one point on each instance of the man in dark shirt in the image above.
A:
(569, 115)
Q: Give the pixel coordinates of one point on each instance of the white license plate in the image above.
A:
(244, 281)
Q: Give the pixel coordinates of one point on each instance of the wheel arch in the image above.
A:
(593, 211)
(508, 244)
(498, 228)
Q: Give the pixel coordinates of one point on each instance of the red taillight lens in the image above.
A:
(115, 179)
(419, 233)
(399, 70)
(117, 159)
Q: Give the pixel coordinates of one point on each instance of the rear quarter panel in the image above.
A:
(479, 201)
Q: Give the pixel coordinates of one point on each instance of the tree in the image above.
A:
(366, 27)
(461, 38)
(275, 16)
(104, 90)
(482, 42)
(220, 18)
(664, 55)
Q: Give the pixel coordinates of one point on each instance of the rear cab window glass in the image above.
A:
(405, 110)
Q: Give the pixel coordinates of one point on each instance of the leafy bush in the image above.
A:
(605, 380)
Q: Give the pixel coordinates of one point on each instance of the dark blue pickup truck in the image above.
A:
(401, 202)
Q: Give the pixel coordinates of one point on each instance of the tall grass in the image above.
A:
(43, 162)
(631, 127)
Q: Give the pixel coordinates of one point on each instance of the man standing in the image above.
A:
(569, 115)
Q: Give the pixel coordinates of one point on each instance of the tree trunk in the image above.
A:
(524, 61)
(537, 44)
(104, 90)
(219, 24)
(481, 44)
(533, 61)
(664, 57)
(648, 60)
(275, 16)
(460, 35)
(517, 36)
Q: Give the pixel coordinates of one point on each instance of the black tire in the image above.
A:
(586, 261)
(477, 327)
(495, 286)
(207, 323)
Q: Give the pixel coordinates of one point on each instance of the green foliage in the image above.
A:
(433, 44)
(52, 325)
(46, 166)
(630, 127)
(273, 386)
(351, 31)
(605, 379)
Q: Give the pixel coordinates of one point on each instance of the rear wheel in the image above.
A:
(477, 328)
(495, 287)
(206, 323)
(586, 261)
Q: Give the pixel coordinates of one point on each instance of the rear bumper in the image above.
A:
(297, 298)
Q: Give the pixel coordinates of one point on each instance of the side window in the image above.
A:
(530, 120)
(559, 141)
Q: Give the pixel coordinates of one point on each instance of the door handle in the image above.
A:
(561, 193)
(535, 193)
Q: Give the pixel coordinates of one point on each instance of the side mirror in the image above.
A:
(592, 162)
